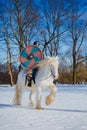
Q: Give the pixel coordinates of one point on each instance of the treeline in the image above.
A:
(65, 75)
(60, 26)
(5, 78)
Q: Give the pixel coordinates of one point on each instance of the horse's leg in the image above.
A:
(51, 97)
(38, 99)
(32, 97)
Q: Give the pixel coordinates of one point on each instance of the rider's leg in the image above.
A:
(34, 71)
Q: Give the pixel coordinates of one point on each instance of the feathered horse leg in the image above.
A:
(38, 99)
(51, 97)
(32, 96)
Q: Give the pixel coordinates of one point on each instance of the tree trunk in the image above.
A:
(74, 70)
(11, 74)
(74, 62)
(9, 62)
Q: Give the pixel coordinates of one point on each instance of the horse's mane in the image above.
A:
(44, 62)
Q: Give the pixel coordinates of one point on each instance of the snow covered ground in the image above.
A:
(68, 112)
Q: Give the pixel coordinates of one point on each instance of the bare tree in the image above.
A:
(54, 15)
(19, 19)
(23, 22)
(9, 61)
(77, 29)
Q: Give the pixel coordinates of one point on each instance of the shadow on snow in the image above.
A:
(47, 109)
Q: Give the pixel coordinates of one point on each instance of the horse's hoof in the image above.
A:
(39, 108)
(49, 99)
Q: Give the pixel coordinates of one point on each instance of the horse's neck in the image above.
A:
(44, 72)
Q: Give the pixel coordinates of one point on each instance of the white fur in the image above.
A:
(43, 81)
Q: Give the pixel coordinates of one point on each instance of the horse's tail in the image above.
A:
(19, 88)
(17, 96)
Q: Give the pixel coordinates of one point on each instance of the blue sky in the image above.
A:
(38, 2)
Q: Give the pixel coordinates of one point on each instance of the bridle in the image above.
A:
(51, 69)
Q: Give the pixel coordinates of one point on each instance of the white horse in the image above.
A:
(46, 74)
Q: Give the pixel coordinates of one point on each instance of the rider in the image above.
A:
(32, 73)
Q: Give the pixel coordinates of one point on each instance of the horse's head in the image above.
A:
(54, 66)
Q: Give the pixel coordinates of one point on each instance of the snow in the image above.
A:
(67, 112)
